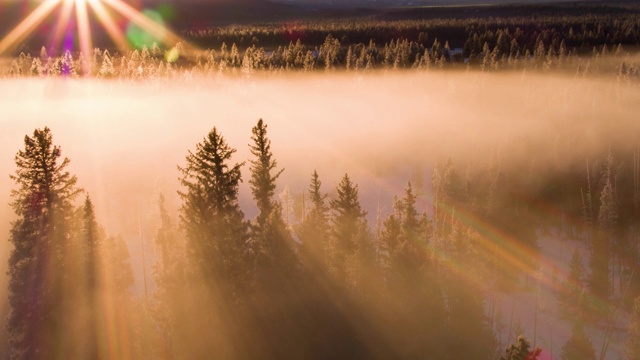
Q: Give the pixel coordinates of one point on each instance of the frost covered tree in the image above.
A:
(521, 350)
(41, 236)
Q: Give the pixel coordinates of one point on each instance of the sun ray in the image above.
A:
(62, 23)
(109, 24)
(27, 25)
(84, 33)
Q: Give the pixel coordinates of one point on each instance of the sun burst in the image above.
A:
(64, 26)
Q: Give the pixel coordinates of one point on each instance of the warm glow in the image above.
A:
(59, 37)
(27, 25)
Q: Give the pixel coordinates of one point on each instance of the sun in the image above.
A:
(83, 29)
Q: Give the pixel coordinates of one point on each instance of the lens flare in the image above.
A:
(144, 28)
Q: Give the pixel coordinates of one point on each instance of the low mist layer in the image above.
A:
(126, 139)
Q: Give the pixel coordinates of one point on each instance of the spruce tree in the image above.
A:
(210, 214)
(274, 262)
(412, 284)
(313, 230)
(348, 231)
(215, 246)
(41, 236)
(271, 244)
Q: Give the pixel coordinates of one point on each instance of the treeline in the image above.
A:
(156, 63)
(327, 286)
(576, 43)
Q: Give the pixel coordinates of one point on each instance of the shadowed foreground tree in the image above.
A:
(313, 231)
(273, 261)
(215, 234)
(41, 237)
(414, 294)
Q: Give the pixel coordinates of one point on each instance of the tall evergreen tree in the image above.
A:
(313, 231)
(272, 244)
(274, 262)
(413, 289)
(348, 232)
(41, 237)
(215, 244)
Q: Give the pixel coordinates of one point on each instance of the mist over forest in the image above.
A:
(398, 183)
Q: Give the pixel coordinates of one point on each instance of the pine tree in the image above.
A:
(274, 262)
(348, 225)
(313, 230)
(41, 236)
(215, 245)
(411, 280)
(272, 244)
(578, 347)
(210, 214)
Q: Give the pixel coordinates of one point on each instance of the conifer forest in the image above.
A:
(258, 179)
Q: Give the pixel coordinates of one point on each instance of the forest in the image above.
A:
(441, 184)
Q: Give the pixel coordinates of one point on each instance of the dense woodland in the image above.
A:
(330, 285)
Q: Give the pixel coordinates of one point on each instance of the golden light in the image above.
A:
(84, 37)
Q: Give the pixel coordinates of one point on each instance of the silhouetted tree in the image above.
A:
(313, 231)
(215, 244)
(348, 229)
(41, 236)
